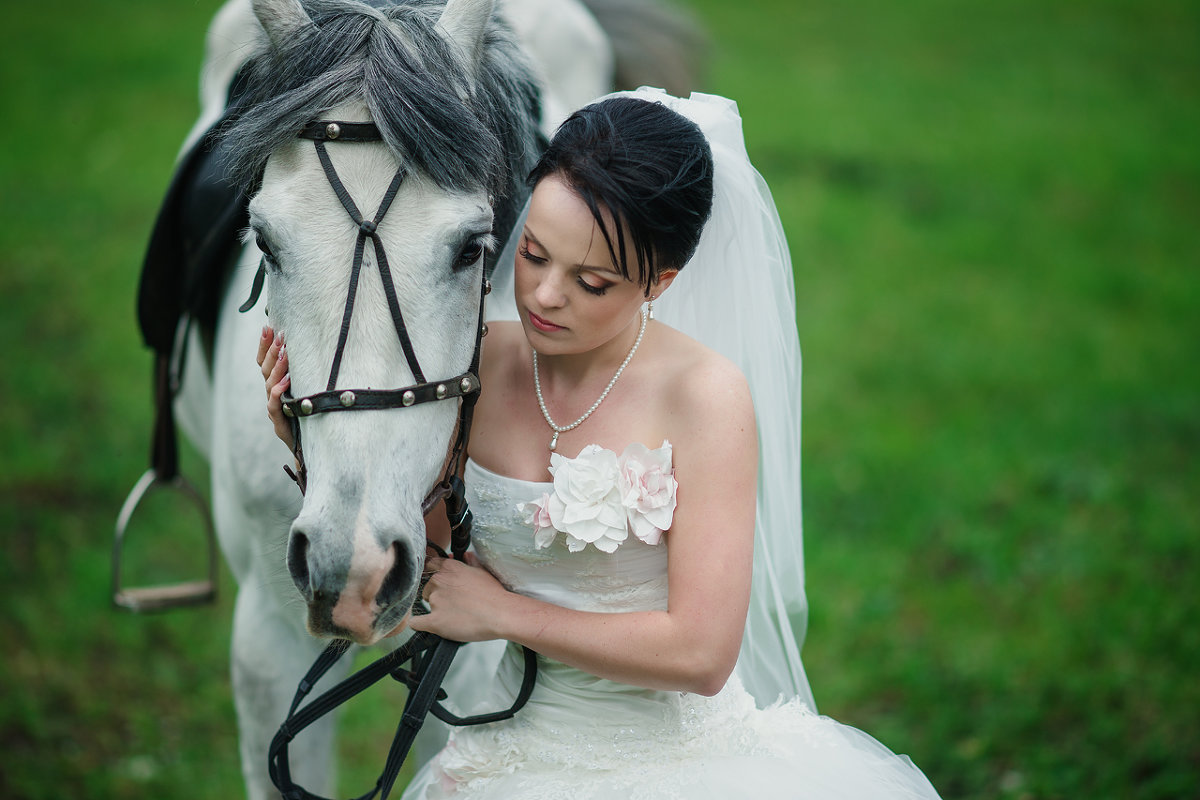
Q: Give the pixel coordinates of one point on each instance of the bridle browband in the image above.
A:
(430, 654)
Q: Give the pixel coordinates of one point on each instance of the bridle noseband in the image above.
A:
(430, 655)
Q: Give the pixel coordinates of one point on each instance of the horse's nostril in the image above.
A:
(297, 561)
(399, 579)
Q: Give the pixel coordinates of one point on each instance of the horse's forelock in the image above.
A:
(413, 84)
(415, 90)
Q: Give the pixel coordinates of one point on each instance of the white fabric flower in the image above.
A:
(648, 488)
(600, 499)
(476, 759)
(537, 515)
(586, 504)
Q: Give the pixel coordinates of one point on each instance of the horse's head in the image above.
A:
(454, 107)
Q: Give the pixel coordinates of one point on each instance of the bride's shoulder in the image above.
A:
(696, 363)
(704, 385)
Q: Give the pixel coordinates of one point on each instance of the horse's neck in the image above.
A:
(570, 52)
(231, 38)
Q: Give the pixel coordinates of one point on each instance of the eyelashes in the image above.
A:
(528, 256)
(587, 287)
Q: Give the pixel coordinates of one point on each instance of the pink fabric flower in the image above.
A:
(648, 489)
(537, 515)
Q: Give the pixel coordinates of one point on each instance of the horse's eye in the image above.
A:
(261, 242)
(469, 255)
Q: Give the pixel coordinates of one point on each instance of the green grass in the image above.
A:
(992, 214)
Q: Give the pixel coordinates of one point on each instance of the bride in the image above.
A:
(634, 475)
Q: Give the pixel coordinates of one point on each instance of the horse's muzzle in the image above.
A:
(362, 598)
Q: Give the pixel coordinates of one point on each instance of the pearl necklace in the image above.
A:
(537, 388)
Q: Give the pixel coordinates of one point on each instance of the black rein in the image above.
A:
(431, 656)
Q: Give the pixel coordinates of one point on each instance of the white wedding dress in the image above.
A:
(581, 736)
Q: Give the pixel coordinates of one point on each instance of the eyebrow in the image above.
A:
(589, 267)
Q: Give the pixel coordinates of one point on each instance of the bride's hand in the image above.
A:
(272, 358)
(463, 599)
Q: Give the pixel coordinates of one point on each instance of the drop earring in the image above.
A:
(650, 305)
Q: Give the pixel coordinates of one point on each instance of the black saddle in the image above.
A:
(194, 242)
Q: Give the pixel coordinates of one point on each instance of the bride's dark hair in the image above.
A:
(648, 166)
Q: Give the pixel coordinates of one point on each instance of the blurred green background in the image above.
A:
(992, 211)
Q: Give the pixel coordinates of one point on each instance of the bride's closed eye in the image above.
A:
(592, 288)
(523, 251)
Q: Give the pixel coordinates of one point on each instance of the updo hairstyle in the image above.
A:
(649, 167)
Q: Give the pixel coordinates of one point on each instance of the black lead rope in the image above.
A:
(431, 656)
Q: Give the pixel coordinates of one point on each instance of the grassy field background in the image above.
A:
(992, 212)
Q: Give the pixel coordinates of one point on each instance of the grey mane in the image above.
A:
(413, 86)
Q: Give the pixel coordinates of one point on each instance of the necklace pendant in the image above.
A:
(554, 441)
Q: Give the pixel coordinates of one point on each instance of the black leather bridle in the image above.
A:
(465, 385)
(430, 655)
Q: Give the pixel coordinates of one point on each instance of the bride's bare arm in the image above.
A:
(693, 645)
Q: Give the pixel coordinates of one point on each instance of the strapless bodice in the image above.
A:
(631, 578)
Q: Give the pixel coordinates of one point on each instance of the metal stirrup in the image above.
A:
(164, 475)
(164, 596)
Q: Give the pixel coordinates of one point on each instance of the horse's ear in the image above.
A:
(464, 23)
(280, 18)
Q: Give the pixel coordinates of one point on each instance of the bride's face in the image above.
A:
(570, 295)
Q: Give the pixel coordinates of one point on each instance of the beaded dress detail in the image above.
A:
(581, 736)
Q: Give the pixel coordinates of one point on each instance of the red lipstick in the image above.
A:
(543, 325)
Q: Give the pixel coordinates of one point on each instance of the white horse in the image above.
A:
(450, 89)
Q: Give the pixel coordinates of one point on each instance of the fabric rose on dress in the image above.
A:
(537, 515)
(648, 488)
(586, 504)
(600, 499)
(475, 760)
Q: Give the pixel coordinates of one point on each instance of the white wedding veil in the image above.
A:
(736, 295)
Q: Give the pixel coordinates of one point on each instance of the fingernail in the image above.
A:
(278, 338)
(266, 332)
